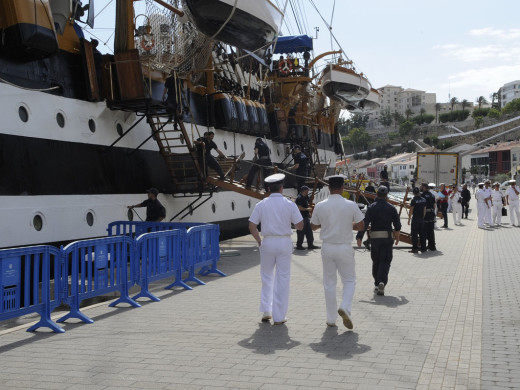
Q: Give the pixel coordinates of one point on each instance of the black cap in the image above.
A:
(297, 147)
(382, 191)
(304, 188)
(416, 190)
(153, 190)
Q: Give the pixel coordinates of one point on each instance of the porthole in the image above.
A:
(38, 222)
(278, 151)
(249, 204)
(60, 120)
(242, 147)
(119, 129)
(225, 145)
(90, 218)
(233, 205)
(213, 207)
(92, 125)
(130, 215)
(23, 113)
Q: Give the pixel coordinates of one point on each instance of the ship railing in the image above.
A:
(25, 284)
(136, 228)
(159, 255)
(96, 267)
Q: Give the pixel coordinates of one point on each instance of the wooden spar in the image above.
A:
(171, 8)
(404, 200)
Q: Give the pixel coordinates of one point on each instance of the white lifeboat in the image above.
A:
(344, 84)
(371, 102)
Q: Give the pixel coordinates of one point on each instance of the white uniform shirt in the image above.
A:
(512, 194)
(481, 195)
(276, 213)
(487, 191)
(496, 197)
(455, 198)
(336, 215)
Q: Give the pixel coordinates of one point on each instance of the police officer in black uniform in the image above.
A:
(429, 216)
(262, 158)
(417, 212)
(303, 203)
(155, 211)
(381, 215)
(300, 166)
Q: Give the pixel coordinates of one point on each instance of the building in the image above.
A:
(509, 92)
(497, 159)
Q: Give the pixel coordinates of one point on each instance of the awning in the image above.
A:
(293, 44)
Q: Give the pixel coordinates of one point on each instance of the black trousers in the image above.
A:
(305, 232)
(418, 234)
(429, 229)
(381, 254)
(211, 162)
(255, 168)
(444, 211)
(465, 209)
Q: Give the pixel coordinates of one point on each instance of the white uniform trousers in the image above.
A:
(275, 252)
(338, 258)
(513, 211)
(456, 209)
(497, 213)
(481, 210)
(487, 214)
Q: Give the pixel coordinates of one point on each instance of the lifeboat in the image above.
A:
(226, 115)
(371, 103)
(343, 84)
(251, 25)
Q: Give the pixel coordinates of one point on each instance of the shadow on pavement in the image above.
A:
(339, 346)
(387, 300)
(268, 338)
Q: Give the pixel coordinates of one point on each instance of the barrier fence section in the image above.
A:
(202, 251)
(158, 255)
(96, 267)
(136, 228)
(33, 294)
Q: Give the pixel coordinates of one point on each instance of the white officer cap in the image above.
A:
(480, 184)
(277, 177)
(431, 185)
(336, 179)
(512, 181)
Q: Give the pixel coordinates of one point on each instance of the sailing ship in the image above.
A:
(84, 134)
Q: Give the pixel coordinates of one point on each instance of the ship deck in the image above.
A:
(449, 319)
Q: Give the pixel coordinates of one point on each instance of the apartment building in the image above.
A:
(509, 92)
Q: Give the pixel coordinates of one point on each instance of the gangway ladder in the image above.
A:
(178, 152)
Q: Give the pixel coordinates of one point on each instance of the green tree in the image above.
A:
(408, 112)
(512, 107)
(406, 128)
(494, 113)
(385, 118)
(494, 100)
(398, 118)
(358, 138)
(453, 101)
(478, 121)
(481, 100)
(465, 104)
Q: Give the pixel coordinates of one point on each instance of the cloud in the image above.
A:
(512, 33)
(480, 53)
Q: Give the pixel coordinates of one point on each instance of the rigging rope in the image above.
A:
(30, 89)
(227, 20)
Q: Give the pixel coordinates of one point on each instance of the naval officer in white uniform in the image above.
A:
(512, 194)
(337, 217)
(275, 213)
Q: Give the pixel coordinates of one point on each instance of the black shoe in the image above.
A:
(423, 250)
(314, 247)
(432, 249)
(414, 251)
(300, 248)
(445, 226)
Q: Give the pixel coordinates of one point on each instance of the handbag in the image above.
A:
(504, 212)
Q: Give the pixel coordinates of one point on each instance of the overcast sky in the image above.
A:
(466, 48)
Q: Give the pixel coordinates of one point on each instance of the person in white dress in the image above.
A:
(456, 204)
(512, 200)
(275, 213)
(337, 217)
(497, 204)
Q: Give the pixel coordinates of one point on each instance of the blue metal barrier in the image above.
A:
(202, 251)
(32, 294)
(136, 228)
(158, 255)
(97, 267)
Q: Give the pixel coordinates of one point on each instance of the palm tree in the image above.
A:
(464, 103)
(453, 101)
(481, 100)
(408, 112)
(493, 96)
(437, 110)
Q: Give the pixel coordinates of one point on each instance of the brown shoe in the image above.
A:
(346, 319)
(266, 317)
(280, 322)
(332, 324)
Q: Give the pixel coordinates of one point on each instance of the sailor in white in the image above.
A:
(456, 205)
(496, 200)
(337, 217)
(482, 204)
(435, 194)
(275, 213)
(512, 200)
(487, 191)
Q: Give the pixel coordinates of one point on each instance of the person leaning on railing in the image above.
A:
(155, 211)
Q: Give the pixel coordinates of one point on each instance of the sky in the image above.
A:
(452, 48)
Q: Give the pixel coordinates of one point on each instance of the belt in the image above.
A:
(379, 234)
(264, 158)
(430, 210)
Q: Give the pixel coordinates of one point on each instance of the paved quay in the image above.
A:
(450, 320)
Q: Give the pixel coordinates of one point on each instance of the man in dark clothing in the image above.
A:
(370, 188)
(155, 211)
(380, 216)
(417, 212)
(383, 175)
(261, 158)
(171, 95)
(303, 203)
(429, 217)
(465, 197)
(204, 146)
(300, 166)
(443, 203)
